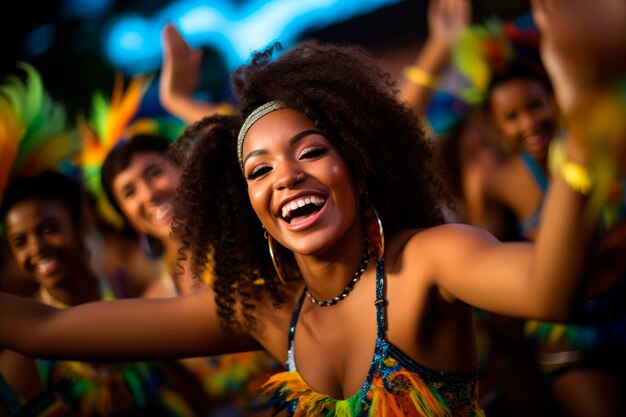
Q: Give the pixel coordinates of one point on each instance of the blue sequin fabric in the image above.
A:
(395, 385)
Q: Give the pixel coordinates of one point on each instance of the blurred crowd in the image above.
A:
(87, 209)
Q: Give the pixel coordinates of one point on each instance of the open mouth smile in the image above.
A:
(302, 208)
(161, 212)
(46, 266)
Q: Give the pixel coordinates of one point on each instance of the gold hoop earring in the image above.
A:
(373, 231)
(275, 255)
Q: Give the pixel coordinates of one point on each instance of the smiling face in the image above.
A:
(43, 241)
(298, 183)
(525, 114)
(145, 192)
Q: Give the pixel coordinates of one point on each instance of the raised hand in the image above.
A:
(447, 19)
(582, 46)
(180, 70)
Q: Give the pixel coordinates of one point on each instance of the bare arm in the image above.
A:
(446, 20)
(547, 280)
(499, 195)
(180, 78)
(125, 330)
(20, 372)
(480, 210)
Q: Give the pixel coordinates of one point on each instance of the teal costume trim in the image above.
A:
(531, 223)
(47, 403)
(8, 398)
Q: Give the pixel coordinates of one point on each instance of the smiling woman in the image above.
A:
(311, 169)
(521, 107)
(333, 161)
(45, 230)
(319, 149)
(140, 183)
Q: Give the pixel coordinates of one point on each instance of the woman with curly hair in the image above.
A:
(322, 159)
(140, 182)
(44, 229)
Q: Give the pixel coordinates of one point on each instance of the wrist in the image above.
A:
(569, 162)
(437, 45)
(435, 54)
(420, 77)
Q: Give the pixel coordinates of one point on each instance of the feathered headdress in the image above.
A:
(112, 121)
(489, 49)
(109, 123)
(33, 132)
(483, 51)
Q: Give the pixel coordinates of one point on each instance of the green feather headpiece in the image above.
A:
(33, 131)
(112, 120)
(491, 48)
(107, 125)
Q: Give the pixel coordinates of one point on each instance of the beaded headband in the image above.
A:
(256, 114)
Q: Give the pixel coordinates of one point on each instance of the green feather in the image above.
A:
(134, 384)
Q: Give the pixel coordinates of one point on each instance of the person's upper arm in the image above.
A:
(120, 330)
(469, 264)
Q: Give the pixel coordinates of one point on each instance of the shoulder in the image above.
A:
(405, 239)
(272, 322)
(436, 243)
(416, 260)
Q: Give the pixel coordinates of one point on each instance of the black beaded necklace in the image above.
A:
(355, 278)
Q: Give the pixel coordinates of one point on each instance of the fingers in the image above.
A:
(457, 12)
(465, 12)
(447, 18)
(172, 39)
(434, 9)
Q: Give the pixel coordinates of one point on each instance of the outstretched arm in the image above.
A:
(125, 330)
(180, 78)
(446, 20)
(547, 280)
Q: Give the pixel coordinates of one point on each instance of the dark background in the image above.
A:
(72, 67)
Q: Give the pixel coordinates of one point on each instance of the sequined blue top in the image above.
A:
(395, 382)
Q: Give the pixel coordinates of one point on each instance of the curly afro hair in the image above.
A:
(342, 89)
(215, 222)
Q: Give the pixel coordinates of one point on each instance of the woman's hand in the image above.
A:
(582, 46)
(180, 68)
(447, 19)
